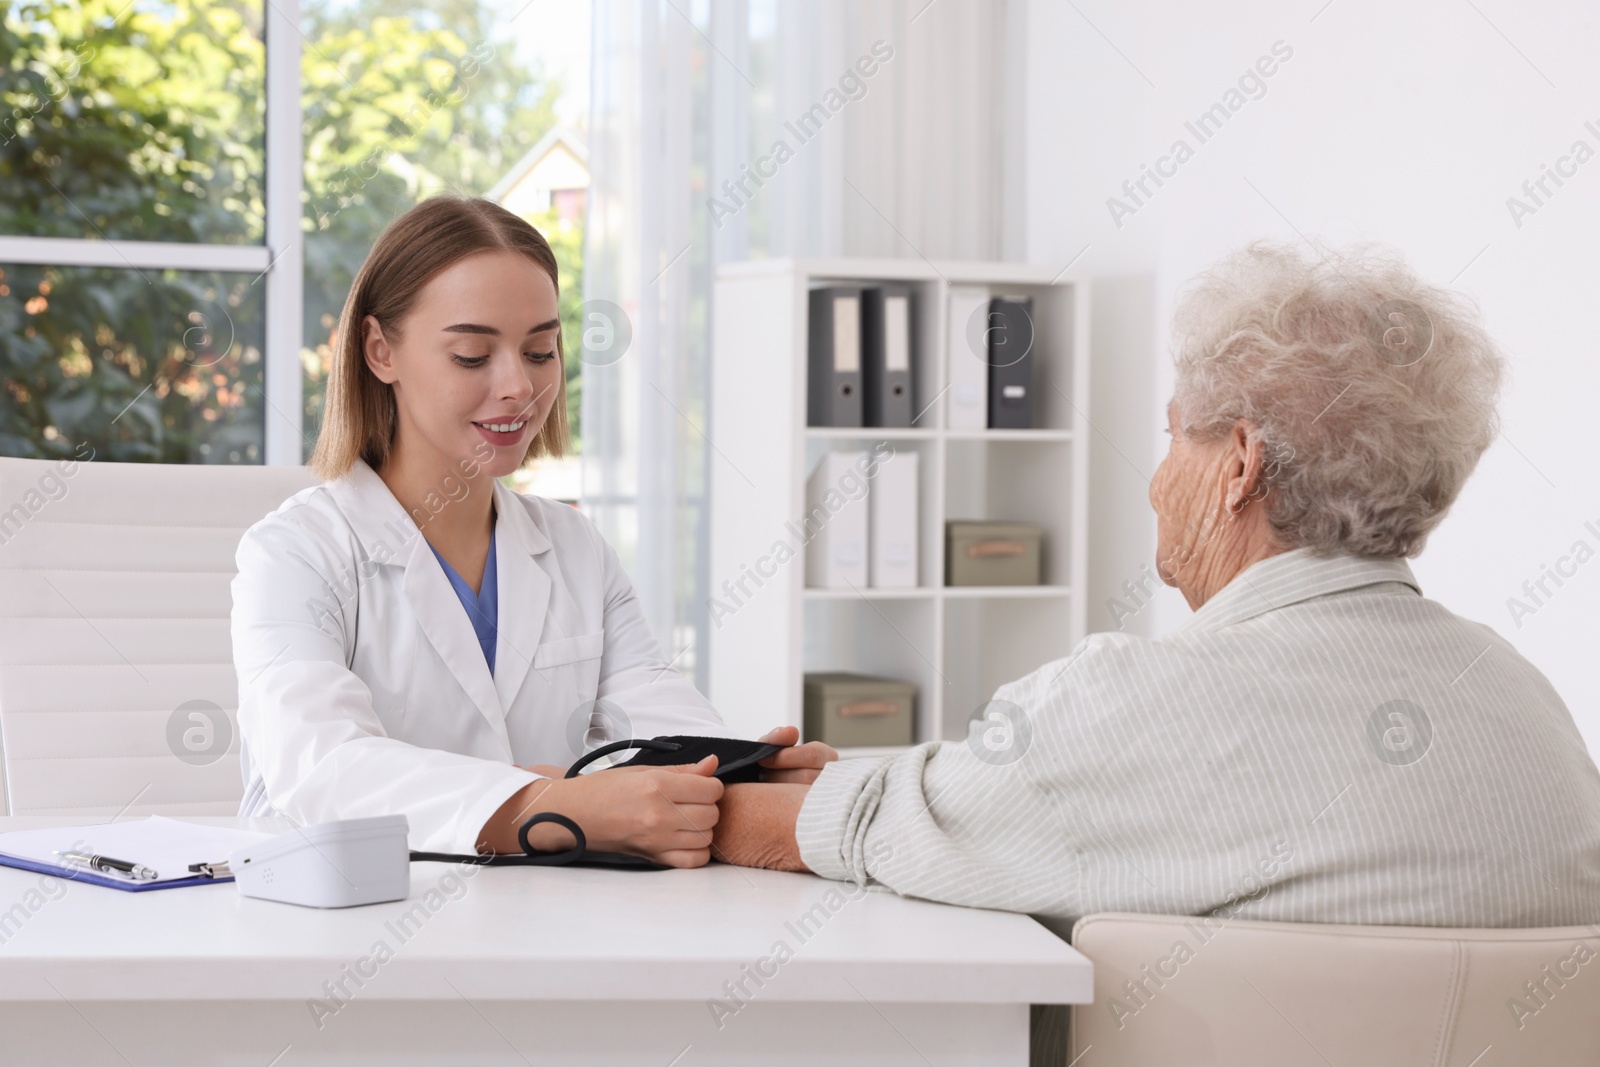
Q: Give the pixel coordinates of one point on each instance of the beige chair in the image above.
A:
(117, 689)
(1177, 991)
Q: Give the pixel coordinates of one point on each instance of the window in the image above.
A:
(174, 256)
(133, 232)
(152, 365)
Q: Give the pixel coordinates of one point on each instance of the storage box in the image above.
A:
(853, 710)
(992, 553)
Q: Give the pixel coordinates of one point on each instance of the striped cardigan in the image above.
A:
(1319, 743)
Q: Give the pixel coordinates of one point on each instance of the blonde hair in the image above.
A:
(361, 417)
(1373, 392)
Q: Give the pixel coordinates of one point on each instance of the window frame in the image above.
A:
(278, 262)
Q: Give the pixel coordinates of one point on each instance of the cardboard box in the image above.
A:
(854, 710)
(992, 553)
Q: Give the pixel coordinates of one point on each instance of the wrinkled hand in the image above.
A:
(796, 764)
(664, 814)
(757, 826)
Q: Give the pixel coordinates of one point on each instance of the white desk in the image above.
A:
(521, 966)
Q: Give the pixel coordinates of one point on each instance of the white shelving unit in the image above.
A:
(956, 644)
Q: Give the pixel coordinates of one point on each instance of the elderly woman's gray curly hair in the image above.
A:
(1373, 392)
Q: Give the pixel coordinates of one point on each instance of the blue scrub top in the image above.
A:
(483, 607)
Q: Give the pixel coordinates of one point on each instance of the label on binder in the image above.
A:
(847, 333)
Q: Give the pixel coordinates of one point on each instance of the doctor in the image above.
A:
(412, 636)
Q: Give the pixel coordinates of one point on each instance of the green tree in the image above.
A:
(146, 128)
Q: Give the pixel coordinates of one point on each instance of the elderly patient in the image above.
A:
(1319, 742)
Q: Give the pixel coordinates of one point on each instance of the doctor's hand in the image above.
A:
(665, 814)
(796, 764)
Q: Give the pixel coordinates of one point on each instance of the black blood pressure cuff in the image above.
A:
(737, 761)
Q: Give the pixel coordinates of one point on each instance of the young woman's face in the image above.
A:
(475, 371)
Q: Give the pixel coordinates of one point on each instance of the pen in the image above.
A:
(106, 863)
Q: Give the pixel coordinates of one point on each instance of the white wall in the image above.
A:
(1406, 124)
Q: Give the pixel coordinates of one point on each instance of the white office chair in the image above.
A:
(1293, 994)
(114, 605)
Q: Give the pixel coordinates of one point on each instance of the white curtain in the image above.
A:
(900, 125)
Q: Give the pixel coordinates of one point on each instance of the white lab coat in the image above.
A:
(363, 689)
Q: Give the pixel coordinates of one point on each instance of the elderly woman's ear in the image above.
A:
(1247, 468)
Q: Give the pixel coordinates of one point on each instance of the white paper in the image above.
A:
(166, 846)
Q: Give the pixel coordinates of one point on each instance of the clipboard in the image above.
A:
(169, 846)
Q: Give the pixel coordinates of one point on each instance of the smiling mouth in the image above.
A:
(503, 427)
